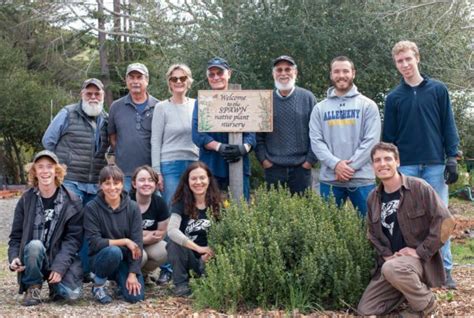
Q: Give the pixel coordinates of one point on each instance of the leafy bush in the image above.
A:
(285, 252)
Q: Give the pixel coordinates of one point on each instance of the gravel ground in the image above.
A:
(7, 207)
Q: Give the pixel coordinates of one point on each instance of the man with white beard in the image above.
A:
(78, 136)
(285, 153)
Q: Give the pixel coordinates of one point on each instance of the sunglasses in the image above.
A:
(218, 73)
(175, 79)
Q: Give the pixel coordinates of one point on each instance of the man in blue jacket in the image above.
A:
(214, 148)
(419, 120)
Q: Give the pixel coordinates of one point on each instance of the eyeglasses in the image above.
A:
(93, 94)
(283, 69)
(175, 79)
(217, 73)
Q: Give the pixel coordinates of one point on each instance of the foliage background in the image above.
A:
(48, 48)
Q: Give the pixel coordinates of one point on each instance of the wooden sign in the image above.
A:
(235, 111)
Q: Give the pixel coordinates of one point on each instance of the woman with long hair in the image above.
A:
(113, 229)
(155, 216)
(196, 201)
(172, 148)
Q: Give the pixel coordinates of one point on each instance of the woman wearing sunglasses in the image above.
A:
(172, 148)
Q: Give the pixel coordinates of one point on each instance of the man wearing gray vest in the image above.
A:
(78, 136)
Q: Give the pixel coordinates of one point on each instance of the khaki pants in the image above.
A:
(154, 255)
(401, 279)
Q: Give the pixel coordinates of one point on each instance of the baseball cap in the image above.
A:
(286, 58)
(46, 153)
(93, 81)
(139, 67)
(218, 62)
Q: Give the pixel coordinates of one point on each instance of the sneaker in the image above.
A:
(32, 296)
(427, 312)
(165, 277)
(101, 295)
(450, 283)
(182, 290)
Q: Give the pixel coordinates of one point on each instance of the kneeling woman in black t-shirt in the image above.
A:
(113, 226)
(196, 199)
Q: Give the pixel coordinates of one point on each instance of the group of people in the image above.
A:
(130, 229)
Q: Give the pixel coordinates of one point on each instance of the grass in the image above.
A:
(463, 251)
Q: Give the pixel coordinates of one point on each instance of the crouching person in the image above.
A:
(154, 218)
(113, 229)
(407, 224)
(197, 198)
(46, 234)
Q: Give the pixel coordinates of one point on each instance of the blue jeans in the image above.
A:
(127, 183)
(34, 259)
(357, 195)
(171, 172)
(86, 192)
(296, 178)
(434, 175)
(111, 263)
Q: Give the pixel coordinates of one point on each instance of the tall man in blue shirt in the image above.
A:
(419, 121)
(214, 148)
(130, 123)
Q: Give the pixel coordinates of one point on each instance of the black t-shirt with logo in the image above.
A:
(194, 229)
(389, 221)
(48, 214)
(156, 212)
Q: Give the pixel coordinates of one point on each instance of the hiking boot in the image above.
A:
(427, 312)
(164, 278)
(101, 295)
(32, 296)
(450, 283)
(182, 290)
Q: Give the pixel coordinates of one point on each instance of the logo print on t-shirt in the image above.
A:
(48, 215)
(389, 214)
(195, 226)
(147, 223)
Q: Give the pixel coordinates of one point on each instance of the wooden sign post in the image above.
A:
(235, 112)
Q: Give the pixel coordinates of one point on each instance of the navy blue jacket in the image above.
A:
(419, 121)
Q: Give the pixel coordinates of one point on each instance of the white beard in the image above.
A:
(94, 109)
(285, 87)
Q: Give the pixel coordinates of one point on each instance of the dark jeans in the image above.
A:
(183, 260)
(111, 263)
(296, 178)
(34, 259)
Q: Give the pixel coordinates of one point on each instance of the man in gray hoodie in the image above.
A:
(343, 129)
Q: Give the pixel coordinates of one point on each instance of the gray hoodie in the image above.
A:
(345, 128)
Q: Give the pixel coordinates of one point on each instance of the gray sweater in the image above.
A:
(288, 144)
(345, 128)
(171, 133)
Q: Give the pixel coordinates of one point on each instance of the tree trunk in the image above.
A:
(117, 29)
(104, 64)
(14, 149)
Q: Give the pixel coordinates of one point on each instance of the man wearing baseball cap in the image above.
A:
(46, 234)
(285, 153)
(130, 123)
(78, 136)
(214, 148)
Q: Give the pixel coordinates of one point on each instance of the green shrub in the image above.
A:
(285, 252)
